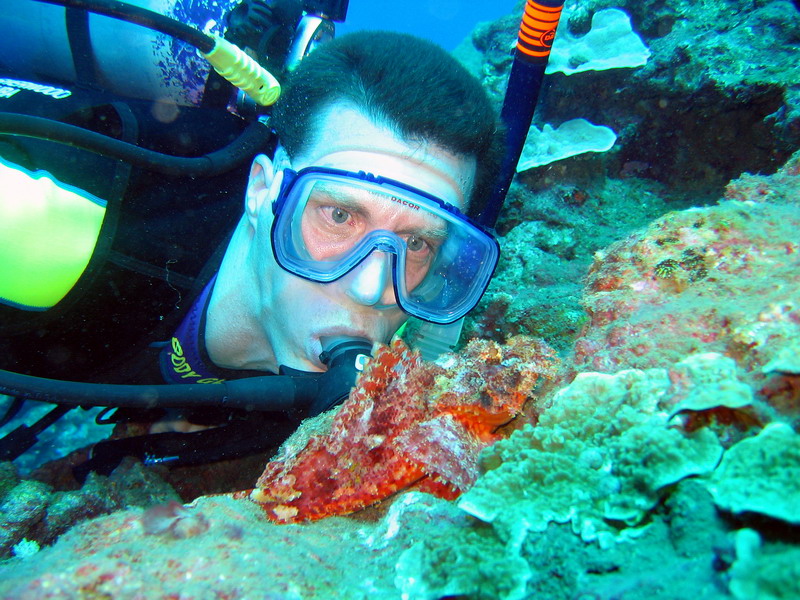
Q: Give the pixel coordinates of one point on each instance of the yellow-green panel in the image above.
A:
(48, 231)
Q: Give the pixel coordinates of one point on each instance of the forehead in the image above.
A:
(346, 139)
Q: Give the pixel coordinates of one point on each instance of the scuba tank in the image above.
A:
(44, 42)
(95, 43)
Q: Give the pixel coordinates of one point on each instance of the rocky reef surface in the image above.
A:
(718, 97)
(660, 461)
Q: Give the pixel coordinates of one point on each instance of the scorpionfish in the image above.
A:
(406, 422)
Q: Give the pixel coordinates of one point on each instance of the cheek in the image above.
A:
(310, 241)
(263, 243)
(289, 310)
(295, 298)
(413, 278)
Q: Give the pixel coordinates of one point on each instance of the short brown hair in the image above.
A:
(411, 84)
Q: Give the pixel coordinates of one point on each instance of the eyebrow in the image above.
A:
(348, 202)
(432, 233)
(342, 198)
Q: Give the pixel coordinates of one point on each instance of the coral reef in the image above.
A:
(611, 43)
(406, 422)
(31, 510)
(770, 573)
(240, 555)
(573, 137)
(661, 463)
(698, 114)
(761, 475)
(717, 96)
(720, 279)
(668, 559)
(598, 458)
(614, 489)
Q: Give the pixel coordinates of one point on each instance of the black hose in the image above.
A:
(141, 16)
(249, 143)
(267, 394)
(292, 391)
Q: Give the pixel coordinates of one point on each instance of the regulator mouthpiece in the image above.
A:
(341, 349)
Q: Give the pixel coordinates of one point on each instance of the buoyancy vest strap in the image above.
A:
(139, 266)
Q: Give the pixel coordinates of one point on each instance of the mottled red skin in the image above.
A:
(406, 422)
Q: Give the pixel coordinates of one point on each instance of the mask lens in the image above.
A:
(329, 221)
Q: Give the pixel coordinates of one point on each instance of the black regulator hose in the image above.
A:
(269, 393)
(251, 141)
(228, 60)
(292, 391)
(295, 394)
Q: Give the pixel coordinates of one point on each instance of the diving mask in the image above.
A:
(327, 221)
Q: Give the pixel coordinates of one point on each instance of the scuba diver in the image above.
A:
(355, 218)
(134, 279)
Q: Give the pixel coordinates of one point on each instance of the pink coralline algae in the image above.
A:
(724, 279)
(406, 422)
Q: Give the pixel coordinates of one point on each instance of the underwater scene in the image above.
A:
(621, 419)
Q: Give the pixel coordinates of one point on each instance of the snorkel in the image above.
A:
(537, 31)
(536, 34)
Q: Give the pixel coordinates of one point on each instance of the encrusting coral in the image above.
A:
(722, 279)
(766, 573)
(598, 458)
(761, 475)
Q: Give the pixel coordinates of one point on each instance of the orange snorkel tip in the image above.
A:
(538, 30)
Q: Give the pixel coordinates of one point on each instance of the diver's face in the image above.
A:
(296, 313)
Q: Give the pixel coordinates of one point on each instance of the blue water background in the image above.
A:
(446, 22)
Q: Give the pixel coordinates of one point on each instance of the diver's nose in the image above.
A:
(370, 283)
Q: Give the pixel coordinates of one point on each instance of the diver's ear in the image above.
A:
(259, 184)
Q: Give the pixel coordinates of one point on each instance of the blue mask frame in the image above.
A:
(457, 278)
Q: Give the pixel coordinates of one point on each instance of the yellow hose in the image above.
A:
(233, 64)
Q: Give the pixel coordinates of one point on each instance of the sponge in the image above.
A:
(610, 44)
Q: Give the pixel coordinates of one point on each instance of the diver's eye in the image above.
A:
(415, 243)
(339, 216)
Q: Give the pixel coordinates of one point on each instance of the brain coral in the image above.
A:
(599, 458)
